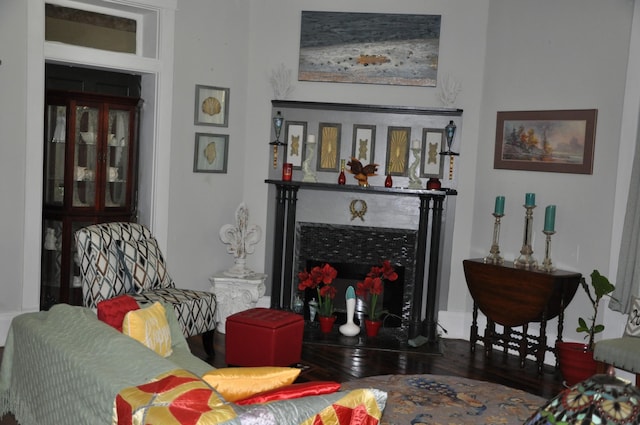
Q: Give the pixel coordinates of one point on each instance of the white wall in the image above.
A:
(13, 123)
(508, 54)
(277, 23)
(549, 54)
(211, 48)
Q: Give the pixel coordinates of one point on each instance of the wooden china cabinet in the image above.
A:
(90, 176)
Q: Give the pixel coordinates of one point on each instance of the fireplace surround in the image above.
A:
(427, 214)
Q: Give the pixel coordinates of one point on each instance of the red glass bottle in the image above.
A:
(388, 182)
(342, 179)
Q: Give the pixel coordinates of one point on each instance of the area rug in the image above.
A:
(446, 400)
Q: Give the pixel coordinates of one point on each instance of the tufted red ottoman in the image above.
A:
(263, 337)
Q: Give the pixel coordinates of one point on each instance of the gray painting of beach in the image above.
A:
(370, 48)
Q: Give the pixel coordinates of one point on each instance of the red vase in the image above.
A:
(388, 182)
(576, 362)
(326, 323)
(372, 326)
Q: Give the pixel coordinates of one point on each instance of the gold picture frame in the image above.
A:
(398, 139)
(329, 146)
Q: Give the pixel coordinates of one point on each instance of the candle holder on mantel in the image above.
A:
(494, 256)
(525, 260)
(547, 265)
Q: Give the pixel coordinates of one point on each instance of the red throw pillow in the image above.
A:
(113, 310)
(292, 391)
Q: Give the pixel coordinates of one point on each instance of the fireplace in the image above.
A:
(352, 250)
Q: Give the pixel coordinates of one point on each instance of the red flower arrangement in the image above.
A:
(373, 285)
(320, 278)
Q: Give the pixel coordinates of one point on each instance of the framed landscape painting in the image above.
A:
(560, 141)
(370, 48)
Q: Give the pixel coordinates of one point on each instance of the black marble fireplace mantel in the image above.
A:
(283, 245)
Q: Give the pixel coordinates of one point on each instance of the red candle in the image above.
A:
(287, 171)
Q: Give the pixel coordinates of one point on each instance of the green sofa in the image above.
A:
(66, 366)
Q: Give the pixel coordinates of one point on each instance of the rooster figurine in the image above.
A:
(362, 173)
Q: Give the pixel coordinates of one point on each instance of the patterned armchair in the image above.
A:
(124, 258)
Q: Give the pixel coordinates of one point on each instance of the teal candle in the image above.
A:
(550, 218)
(499, 207)
(530, 199)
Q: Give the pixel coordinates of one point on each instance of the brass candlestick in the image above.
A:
(547, 265)
(526, 260)
(494, 256)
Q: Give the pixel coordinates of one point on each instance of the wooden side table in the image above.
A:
(513, 298)
(235, 294)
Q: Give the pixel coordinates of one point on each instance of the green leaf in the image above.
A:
(598, 328)
(601, 284)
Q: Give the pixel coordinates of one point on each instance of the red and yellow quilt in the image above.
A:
(180, 397)
(176, 397)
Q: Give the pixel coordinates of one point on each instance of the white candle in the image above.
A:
(311, 138)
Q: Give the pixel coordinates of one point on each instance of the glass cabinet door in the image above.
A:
(51, 263)
(117, 161)
(85, 160)
(55, 143)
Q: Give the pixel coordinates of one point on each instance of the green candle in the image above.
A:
(530, 199)
(550, 218)
(499, 207)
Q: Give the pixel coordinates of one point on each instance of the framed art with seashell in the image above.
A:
(295, 135)
(364, 139)
(431, 160)
(211, 153)
(211, 106)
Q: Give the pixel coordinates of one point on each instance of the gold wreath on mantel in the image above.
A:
(358, 208)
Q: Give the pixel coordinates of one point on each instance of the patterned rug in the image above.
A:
(445, 400)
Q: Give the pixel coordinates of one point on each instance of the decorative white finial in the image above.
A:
(449, 90)
(240, 237)
(281, 82)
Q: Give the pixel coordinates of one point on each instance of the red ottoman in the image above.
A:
(263, 337)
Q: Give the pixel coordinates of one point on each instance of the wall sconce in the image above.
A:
(278, 121)
(449, 132)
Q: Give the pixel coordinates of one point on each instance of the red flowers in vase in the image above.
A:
(320, 278)
(373, 286)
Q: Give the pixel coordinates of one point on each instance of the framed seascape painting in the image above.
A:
(364, 139)
(295, 136)
(559, 141)
(211, 106)
(211, 153)
(370, 48)
(432, 145)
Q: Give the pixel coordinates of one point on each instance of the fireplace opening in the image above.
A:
(352, 250)
(349, 274)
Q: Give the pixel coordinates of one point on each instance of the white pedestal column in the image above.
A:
(235, 294)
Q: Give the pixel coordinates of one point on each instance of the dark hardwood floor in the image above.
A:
(325, 362)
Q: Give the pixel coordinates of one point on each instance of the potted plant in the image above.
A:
(320, 278)
(576, 359)
(373, 286)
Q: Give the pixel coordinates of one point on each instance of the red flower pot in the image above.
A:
(576, 362)
(326, 323)
(372, 326)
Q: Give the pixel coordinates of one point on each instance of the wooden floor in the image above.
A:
(323, 362)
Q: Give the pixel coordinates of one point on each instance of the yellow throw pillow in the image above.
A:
(149, 325)
(236, 383)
